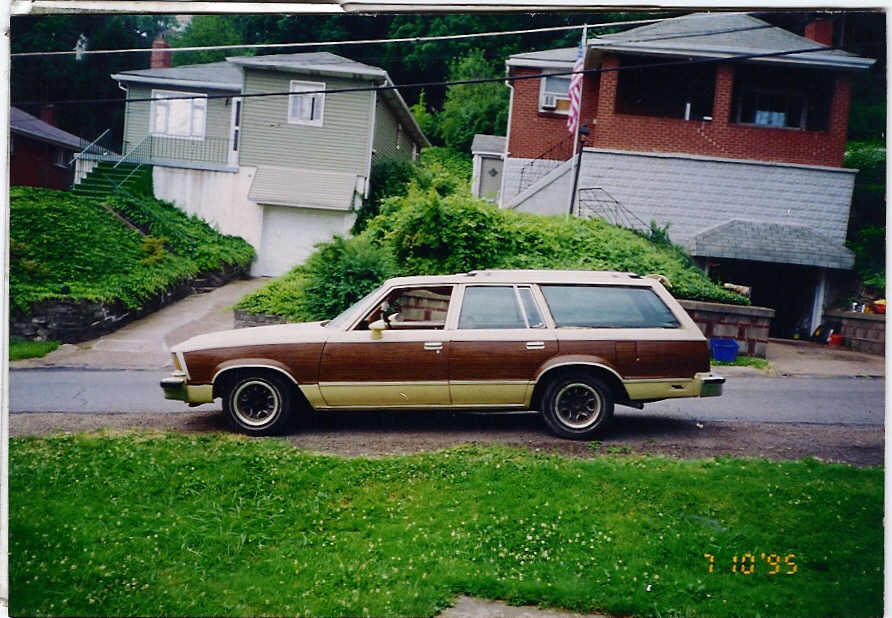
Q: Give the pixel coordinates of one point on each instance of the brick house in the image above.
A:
(40, 152)
(742, 160)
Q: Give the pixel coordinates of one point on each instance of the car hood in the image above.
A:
(306, 332)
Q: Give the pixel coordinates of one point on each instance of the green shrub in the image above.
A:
(425, 232)
(63, 246)
(869, 246)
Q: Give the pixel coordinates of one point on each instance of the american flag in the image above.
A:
(576, 88)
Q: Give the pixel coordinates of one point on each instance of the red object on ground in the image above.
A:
(835, 340)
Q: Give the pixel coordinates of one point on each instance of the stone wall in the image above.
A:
(748, 326)
(864, 332)
(246, 319)
(73, 320)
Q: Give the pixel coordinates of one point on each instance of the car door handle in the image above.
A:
(433, 345)
(535, 345)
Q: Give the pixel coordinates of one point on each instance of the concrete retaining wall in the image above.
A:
(74, 320)
(864, 332)
(748, 326)
(246, 319)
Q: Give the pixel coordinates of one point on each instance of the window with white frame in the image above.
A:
(554, 95)
(179, 117)
(306, 108)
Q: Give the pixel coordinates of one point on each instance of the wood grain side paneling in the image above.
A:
(301, 360)
(498, 360)
(383, 361)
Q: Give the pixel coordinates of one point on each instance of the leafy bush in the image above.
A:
(869, 245)
(425, 232)
(472, 108)
(63, 246)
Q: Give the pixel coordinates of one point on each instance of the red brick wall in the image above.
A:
(32, 165)
(533, 132)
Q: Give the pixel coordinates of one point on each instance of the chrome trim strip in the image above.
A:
(279, 369)
(403, 383)
(590, 364)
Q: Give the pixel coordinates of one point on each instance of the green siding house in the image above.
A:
(284, 171)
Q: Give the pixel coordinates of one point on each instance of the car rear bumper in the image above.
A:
(175, 387)
(709, 384)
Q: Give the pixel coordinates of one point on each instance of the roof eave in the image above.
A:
(48, 140)
(352, 73)
(403, 110)
(544, 64)
(849, 63)
(185, 83)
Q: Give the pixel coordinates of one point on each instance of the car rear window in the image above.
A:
(591, 306)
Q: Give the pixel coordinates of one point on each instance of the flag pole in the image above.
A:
(578, 131)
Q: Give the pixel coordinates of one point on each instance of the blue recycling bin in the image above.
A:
(723, 349)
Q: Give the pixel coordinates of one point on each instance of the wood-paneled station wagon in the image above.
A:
(568, 343)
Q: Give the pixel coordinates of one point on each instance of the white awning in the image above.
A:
(284, 186)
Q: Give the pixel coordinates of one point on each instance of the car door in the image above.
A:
(406, 367)
(499, 342)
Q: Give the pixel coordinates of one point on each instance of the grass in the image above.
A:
(745, 361)
(30, 349)
(158, 524)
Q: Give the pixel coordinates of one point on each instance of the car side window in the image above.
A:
(531, 311)
(593, 306)
(490, 307)
(419, 308)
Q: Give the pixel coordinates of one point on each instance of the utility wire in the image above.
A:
(414, 39)
(482, 80)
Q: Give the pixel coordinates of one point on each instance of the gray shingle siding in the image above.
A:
(267, 138)
(693, 194)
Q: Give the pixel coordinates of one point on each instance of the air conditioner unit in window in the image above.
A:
(549, 101)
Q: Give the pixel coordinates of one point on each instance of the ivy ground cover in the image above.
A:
(157, 524)
(68, 247)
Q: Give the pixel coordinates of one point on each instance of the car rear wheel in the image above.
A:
(577, 406)
(259, 405)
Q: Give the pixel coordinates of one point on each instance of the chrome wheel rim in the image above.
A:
(255, 403)
(578, 405)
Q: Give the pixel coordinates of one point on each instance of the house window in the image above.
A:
(306, 108)
(60, 157)
(684, 92)
(782, 98)
(767, 108)
(554, 95)
(179, 117)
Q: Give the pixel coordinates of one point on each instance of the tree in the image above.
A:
(207, 30)
(473, 108)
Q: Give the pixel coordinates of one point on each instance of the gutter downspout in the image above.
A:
(501, 200)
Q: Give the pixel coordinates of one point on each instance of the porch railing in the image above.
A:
(98, 148)
(153, 149)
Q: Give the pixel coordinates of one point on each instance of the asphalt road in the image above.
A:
(849, 401)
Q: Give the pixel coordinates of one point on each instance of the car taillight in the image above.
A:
(176, 362)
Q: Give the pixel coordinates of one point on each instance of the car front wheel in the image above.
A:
(259, 405)
(577, 406)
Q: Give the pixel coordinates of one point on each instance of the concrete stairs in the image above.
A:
(104, 179)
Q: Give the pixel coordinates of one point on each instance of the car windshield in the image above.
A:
(344, 317)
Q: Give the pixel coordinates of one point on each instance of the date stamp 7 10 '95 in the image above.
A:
(746, 563)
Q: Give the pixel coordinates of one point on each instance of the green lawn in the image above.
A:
(745, 361)
(222, 525)
(30, 349)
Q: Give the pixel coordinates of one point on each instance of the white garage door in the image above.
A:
(289, 234)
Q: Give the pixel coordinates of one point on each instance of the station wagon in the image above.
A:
(569, 344)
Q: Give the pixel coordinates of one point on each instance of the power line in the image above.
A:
(481, 80)
(444, 37)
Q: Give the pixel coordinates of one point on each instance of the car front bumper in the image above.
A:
(709, 384)
(175, 387)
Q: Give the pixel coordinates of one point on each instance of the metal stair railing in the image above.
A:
(528, 175)
(135, 149)
(80, 154)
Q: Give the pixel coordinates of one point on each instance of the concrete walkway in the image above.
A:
(801, 359)
(145, 343)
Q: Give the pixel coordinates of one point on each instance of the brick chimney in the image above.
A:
(820, 30)
(161, 59)
(48, 114)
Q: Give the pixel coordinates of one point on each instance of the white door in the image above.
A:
(235, 130)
